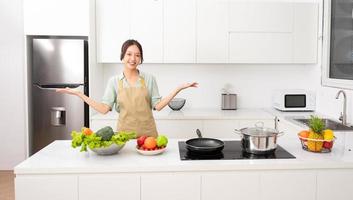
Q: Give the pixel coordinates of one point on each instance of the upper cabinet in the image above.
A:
(119, 20)
(273, 32)
(179, 31)
(56, 17)
(210, 31)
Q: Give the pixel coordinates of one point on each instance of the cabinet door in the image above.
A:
(220, 129)
(56, 17)
(289, 185)
(54, 187)
(179, 128)
(230, 186)
(305, 32)
(335, 184)
(179, 31)
(146, 27)
(112, 27)
(94, 187)
(176, 186)
(212, 31)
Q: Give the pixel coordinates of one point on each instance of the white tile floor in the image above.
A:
(7, 189)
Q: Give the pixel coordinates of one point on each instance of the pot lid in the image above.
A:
(259, 130)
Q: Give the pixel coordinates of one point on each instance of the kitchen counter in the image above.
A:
(200, 113)
(59, 157)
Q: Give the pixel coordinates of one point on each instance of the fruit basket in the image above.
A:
(316, 145)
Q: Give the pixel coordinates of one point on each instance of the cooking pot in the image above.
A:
(204, 145)
(259, 139)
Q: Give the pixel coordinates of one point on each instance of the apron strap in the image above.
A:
(120, 85)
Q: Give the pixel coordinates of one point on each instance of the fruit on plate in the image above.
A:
(162, 141)
(105, 133)
(141, 140)
(149, 143)
(316, 126)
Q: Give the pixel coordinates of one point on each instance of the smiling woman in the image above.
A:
(133, 93)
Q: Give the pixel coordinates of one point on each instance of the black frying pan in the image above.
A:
(204, 145)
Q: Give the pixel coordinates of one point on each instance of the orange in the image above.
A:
(304, 134)
(150, 143)
(87, 131)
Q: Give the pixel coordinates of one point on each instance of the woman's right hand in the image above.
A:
(68, 90)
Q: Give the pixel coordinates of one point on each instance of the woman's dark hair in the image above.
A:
(129, 43)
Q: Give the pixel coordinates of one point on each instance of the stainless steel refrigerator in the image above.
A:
(57, 62)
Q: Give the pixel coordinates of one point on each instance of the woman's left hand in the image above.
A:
(187, 85)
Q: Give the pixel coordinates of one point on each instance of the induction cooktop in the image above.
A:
(232, 151)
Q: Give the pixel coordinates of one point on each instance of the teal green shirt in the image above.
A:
(111, 91)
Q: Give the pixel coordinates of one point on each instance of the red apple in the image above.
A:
(141, 140)
(328, 145)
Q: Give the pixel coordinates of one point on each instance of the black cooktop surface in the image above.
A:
(232, 150)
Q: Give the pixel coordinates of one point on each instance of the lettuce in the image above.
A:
(93, 141)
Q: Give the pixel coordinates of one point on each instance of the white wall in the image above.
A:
(253, 83)
(12, 81)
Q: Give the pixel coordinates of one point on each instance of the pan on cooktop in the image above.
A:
(232, 150)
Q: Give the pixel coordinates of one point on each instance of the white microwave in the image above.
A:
(294, 100)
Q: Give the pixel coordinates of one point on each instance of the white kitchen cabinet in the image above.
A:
(230, 186)
(172, 186)
(56, 17)
(273, 32)
(112, 28)
(54, 187)
(212, 31)
(179, 128)
(335, 184)
(112, 186)
(288, 184)
(118, 21)
(179, 31)
(146, 27)
(220, 129)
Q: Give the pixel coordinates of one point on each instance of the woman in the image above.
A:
(133, 92)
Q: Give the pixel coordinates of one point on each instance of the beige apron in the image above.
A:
(135, 110)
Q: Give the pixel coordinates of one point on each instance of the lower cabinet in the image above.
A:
(335, 184)
(288, 184)
(94, 187)
(171, 186)
(230, 186)
(44, 187)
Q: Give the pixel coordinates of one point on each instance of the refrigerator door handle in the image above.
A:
(54, 87)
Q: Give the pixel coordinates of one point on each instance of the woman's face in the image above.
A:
(132, 57)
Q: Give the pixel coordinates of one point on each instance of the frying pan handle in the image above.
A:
(198, 132)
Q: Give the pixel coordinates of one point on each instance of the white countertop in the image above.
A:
(60, 157)
(200, 113)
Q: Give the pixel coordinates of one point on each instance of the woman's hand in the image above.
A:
(187, 85)
(68, 90)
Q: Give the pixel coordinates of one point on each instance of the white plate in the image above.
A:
(151, 153)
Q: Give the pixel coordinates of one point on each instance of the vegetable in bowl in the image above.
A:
(103, 138)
